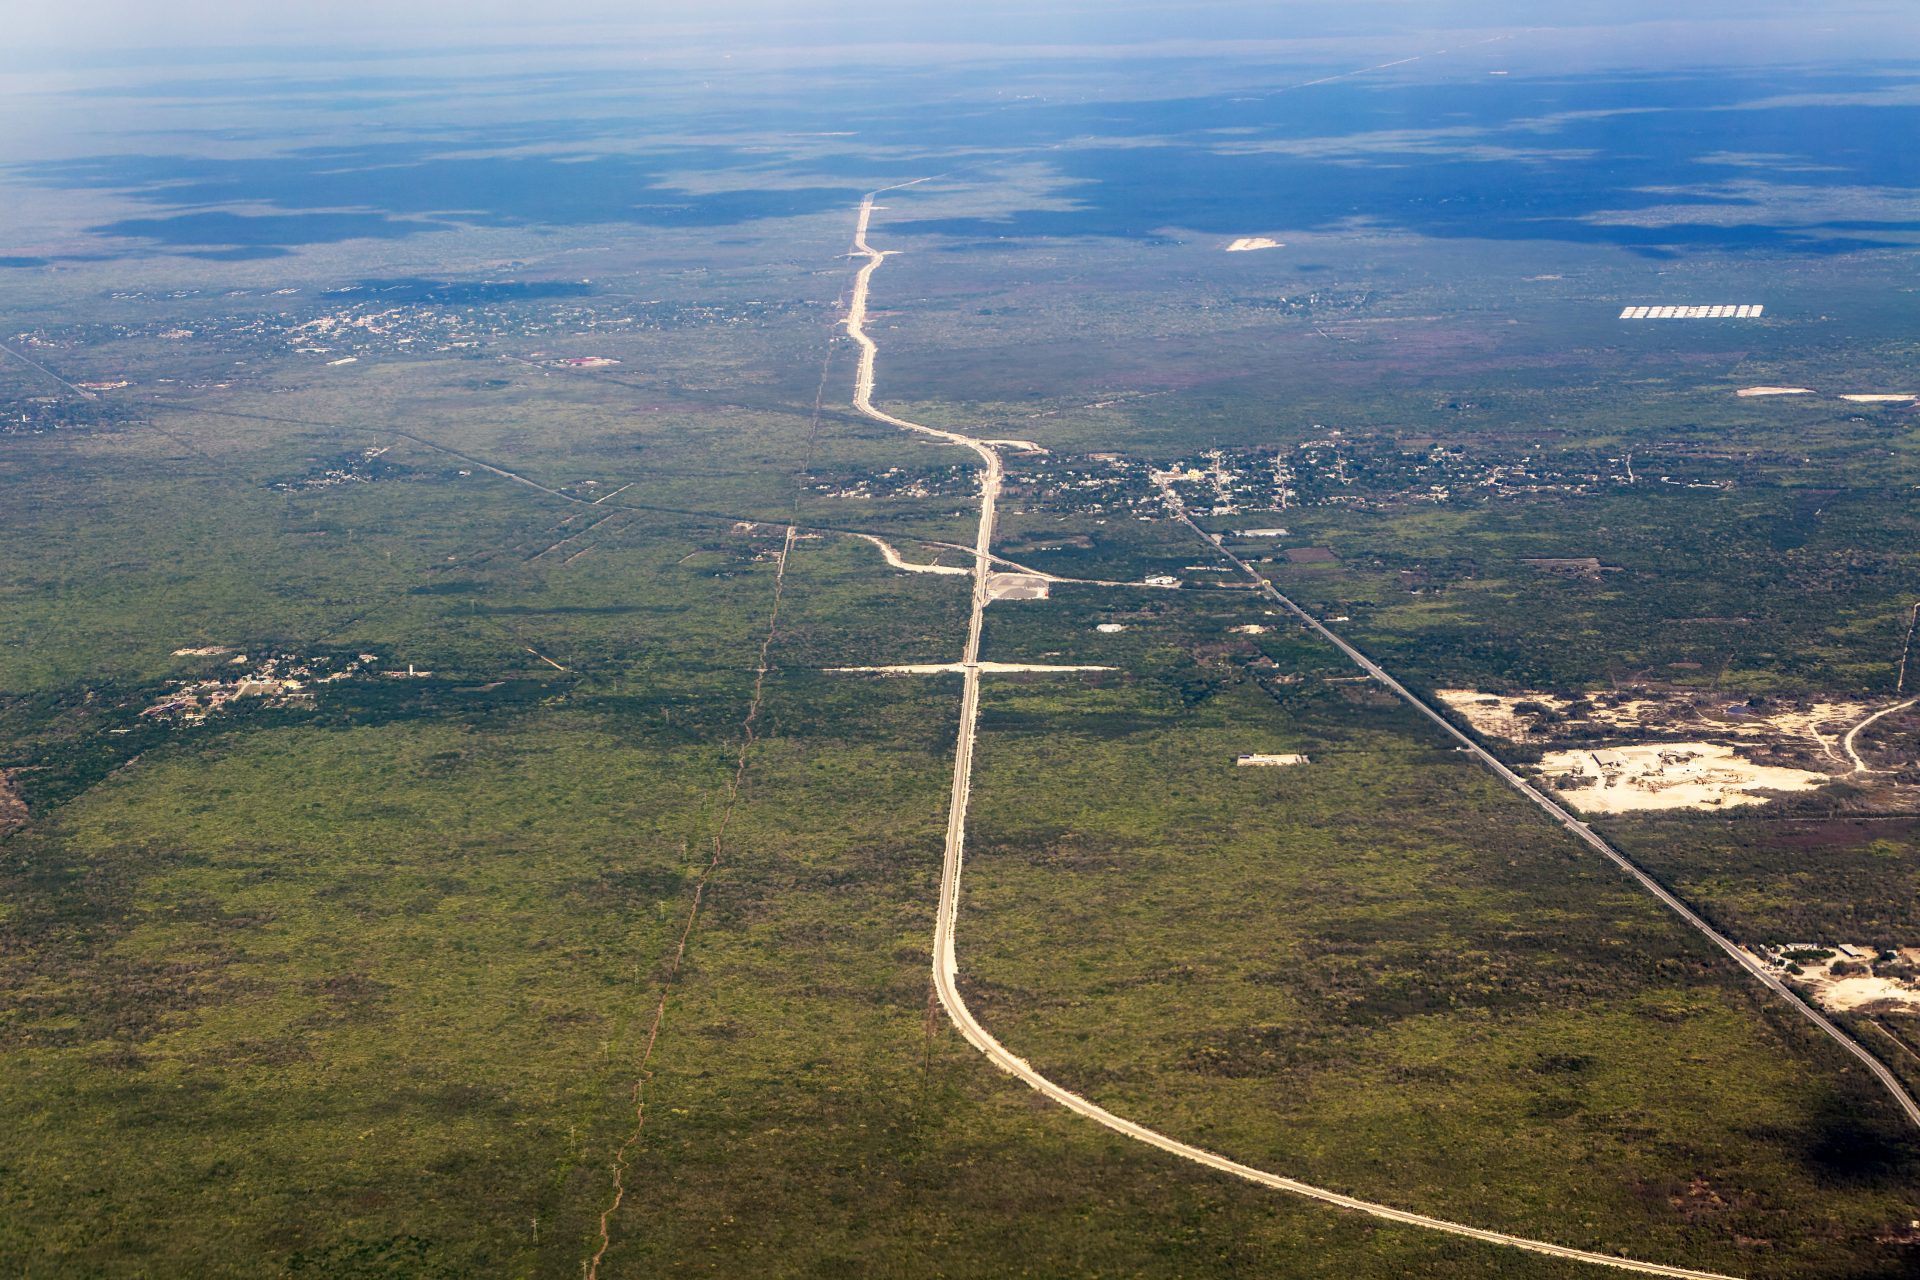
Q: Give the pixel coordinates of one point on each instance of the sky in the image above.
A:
(92, 27)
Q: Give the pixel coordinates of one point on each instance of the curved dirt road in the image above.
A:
(1859, 765)
(946, 966)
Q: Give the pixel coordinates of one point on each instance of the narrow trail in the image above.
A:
(643, 1073)
(1859, 765)
(1586, 834)
(946, 966)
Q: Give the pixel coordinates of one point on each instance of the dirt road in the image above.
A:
(1859, 765)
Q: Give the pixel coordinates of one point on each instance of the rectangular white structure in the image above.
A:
(1707, 311)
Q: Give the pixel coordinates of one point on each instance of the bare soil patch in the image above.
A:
(1847, 977)
(1667, 775)
(1016, 586)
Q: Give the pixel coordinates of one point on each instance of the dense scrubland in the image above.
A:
(360, 982)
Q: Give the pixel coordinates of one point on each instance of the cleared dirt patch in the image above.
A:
(1536, 717)
(1666, 775)
(1847, 978)
(1016, 586)
(1531, 716)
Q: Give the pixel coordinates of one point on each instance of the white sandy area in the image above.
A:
(1016, 586)
(1821, 724)
(1858, 992)
(204, 651)
(1833, 717)
(1669, 775)
(1854, 991)
(1494, 714)
(1774, 391)
(1250, 629)
(1246, 244)
(1111, 628)
(1880, 398)
(1807, 723)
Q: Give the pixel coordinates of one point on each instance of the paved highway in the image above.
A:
(946, 965)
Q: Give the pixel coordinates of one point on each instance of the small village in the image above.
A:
(342, 326)
(1375, 473)
(277, 680)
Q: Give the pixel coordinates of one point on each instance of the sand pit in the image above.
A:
(1881, 398)
(1774, 391)
(1666, 775)
(1848, 992)
(1493, 714)
(1819, 725)
(1246, 244)
(1860, 992)
(1111, 628)
(1498, 715)
(1016, 586)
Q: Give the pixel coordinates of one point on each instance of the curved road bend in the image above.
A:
(1584, 833)
(946, 966)
(1859, 765)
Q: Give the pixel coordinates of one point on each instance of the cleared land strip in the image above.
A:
(1586, 834)
(590, 1268)
(946, 966)
(643, 1070)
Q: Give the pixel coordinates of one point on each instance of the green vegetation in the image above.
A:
(358, 983)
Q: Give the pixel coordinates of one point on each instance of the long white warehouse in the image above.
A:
(1728, 311)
